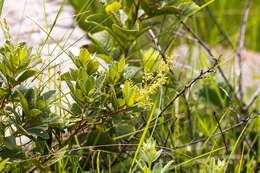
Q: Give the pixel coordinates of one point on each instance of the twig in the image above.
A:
(197, 38)
(250, 147)
(252, 100)
(137, 5)
(241, 40)
(159, 49)
(216, 134)
(161, 28)
(240, 119)
(2, 103)
(212, 55)
(190, 126)
(82, 124)
(170, 131)
(220, 129)
(221, 30)
(172, 39)
(183, 90)
(112, 113)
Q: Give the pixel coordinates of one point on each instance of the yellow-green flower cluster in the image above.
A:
(154, 77)
(166, 67)
(141, 96)
(113, 8)
(150, 85)
(154, 62)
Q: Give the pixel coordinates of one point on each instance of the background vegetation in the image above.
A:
(147, 109)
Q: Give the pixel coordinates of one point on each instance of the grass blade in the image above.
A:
(235, 146)
(195, 158)
(1, 6)
(142, 138)
(98, 167)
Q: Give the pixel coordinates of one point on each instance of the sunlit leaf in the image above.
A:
(10, 143)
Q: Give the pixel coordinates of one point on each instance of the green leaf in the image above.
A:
(90, 84)
(3, 92)
(34, 112)
(48, 95)
(84, 57)
(57, 156)
(82, 86)
(188, 7)
(98, 137)
(167, 10)
(157, 167)
(100, 81)
(153, 10)
(121, 65)
(54, 121)
(102, 48)
(5, 70)
(130, 72)
(124, 128)
(41, 104)
(116, 69)
(79, 95)
(12, 154)
(113, 34)
(101, 18)
(75, 109)
(3, 163)
(39, 131)
(26, 75)
(10, 142)
(92, 67)
(167, 167)
(214, 98)
(66, 76)
(129, 94)
(24, 102)
(22, 55)
(125, 34)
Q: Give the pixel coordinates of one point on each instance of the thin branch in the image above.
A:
(161, 28)
(170, 131)
(241, 40)
(172, 39)
(250, 147)
(216, 134)
(159, 49)
(197, 38)
(183, 90)
(240, 119)
(252, 100)
(48, 157)
(137, 5)
(221, 30)
(190, 126)
(212, 55)
(220, 129)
